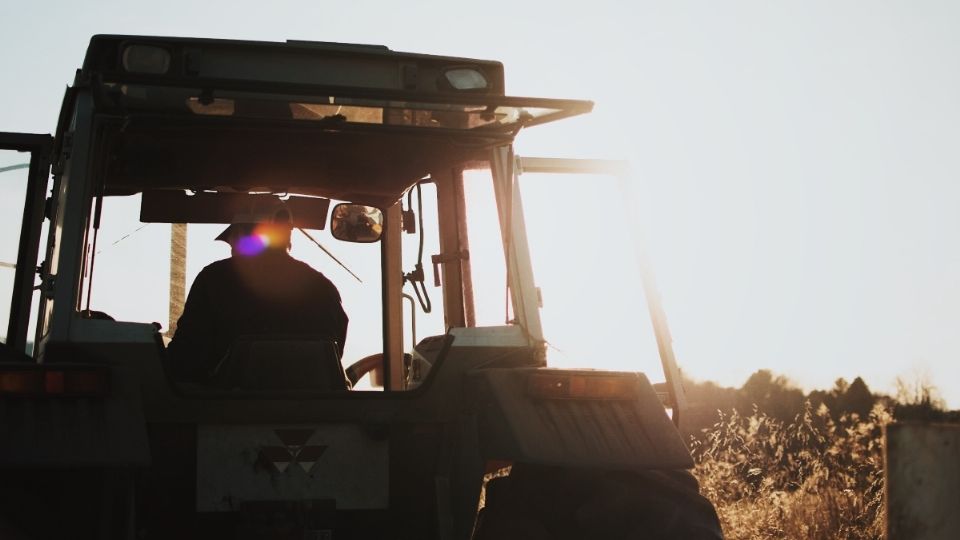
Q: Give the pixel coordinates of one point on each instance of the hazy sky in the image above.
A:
(797, 161)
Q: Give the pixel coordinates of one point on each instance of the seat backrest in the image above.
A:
(257, 363)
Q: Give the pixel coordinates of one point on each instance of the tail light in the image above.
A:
(59, 381)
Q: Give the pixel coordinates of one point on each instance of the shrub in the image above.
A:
(813, 477)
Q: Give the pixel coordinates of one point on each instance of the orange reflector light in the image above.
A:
(39, 381)
(21, 382)
(570, 386)
(84, 383)
(54, 382)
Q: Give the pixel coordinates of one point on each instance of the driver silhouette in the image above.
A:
(260, 290)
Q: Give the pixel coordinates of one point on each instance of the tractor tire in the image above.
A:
(537, 502)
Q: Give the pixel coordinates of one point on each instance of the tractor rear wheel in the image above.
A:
(537, 502)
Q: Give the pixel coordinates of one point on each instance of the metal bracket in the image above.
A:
(443, 258)
(47, 286)
(47, 281)
(66, 147)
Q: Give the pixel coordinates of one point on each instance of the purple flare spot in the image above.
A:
(251, 245)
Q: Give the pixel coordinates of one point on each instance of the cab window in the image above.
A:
(14, 167)
(128, 274)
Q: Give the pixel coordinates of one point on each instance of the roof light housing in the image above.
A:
(146, 59)
(465, 79)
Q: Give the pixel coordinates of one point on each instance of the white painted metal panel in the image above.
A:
(237, 464)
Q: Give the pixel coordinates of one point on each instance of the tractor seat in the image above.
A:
(281, 363)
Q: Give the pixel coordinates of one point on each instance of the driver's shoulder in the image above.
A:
(220, 265)
(315, 276)
(216, 269)
(304, 268)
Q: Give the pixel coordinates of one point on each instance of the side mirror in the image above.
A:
(356, 223)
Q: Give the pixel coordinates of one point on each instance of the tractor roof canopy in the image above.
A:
(351, 122)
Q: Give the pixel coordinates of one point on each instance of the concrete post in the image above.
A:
(922, 483)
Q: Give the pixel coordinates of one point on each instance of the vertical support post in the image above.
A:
(658, 316)
(523, 291)
(449, 260)
(466, 271)
(661, 330)
(30, 228)
(392, 279)
(178, 274)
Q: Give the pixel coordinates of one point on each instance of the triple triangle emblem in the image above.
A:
(294, 450)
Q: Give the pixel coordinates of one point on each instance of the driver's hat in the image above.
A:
(273, 213)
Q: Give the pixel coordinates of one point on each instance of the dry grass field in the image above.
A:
(812, 478)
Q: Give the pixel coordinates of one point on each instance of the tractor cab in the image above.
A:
(397, 178)
(194, 131)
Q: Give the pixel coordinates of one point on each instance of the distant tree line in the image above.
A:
(778, 398)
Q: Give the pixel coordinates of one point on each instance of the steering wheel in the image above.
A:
(365, 365)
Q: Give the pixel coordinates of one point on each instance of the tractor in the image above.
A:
(463, 432)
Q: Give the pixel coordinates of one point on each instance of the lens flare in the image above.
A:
(252, 244)
(262, 237)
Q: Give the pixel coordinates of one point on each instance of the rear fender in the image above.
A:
(628, 432)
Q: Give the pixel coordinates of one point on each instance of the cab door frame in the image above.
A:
(39, 146)
(527, 306)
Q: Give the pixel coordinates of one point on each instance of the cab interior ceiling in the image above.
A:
(372, 166)
(176, 206)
